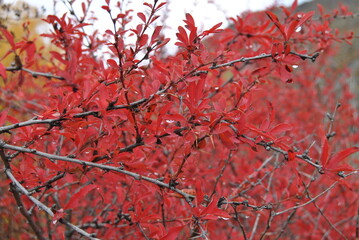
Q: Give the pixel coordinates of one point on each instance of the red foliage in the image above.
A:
(209, 143)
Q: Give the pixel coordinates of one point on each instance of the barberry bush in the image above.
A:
(246, 132)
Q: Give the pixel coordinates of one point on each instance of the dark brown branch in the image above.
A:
(129, 148)
(33, 73)
(243, 59)
(244, 203)
(239, 222)
(269, 223)
(27, 123)
(220, 174)
(47, 183)
(262, 56)
(303, 57)
(142, 231)
(284, 227)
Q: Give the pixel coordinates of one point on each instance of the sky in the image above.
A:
(205, 14)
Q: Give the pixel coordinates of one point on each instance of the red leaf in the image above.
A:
(305, 18)
(50, 165)
(142, 17)
(106, 8)
(291, 155)
(272, 17)
(83, 6)
(161, 114)
(212, 212)
(280, 128)
(294, 5)
(143, 40)
(343, 167)
(3, 116)
(291, 28)
(275, 20)
(173, 233)
(75, 199)
(156, 33)
(321, 9)
(199, 192)
(215, 27)
(160, 5)
(227, 140)
(286, 49)
(182, 36)
(154, 18)
(3, 71)
(189, 20)
(9, 37)
(339, 157)
(112, 63)
(148, 5)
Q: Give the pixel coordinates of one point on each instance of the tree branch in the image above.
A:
(309, 202)
(33, 73)
(261, 56)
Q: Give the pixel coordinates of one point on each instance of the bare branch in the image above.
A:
(239, 222)
(261, 56)
(47, 183)
(310, 201)
(33, 73)
(27, 123)
(284, 227)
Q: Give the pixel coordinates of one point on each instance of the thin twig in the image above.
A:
(261, 56)
(220, 174)
(269, 223)
(239, 222)
(331, 118)
(255, 226)
(284, 227)
(322, 213)
(47, 183)
(310, 201)
(268, 146)
(352, 218)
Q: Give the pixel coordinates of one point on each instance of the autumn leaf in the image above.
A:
(76, 198)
